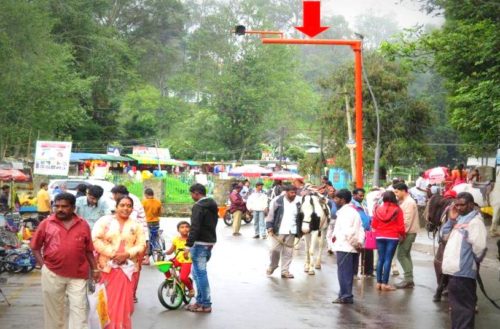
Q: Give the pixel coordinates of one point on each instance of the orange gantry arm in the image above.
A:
(263, 33)
(356, 46)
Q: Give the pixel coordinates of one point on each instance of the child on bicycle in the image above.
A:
(178, 245)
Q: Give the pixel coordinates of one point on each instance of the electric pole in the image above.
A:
(282, 137)
(350, 142)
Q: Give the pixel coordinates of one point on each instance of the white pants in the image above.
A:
(55, 288)
(281, 247)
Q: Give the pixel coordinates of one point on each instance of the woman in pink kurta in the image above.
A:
(118, 240)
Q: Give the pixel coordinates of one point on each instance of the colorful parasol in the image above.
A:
(13, 175)
(436, 175)
(250, 171)
(285, 175)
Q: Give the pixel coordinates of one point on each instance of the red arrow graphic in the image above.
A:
(312, 16)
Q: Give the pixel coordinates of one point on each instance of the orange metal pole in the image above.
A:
(262, 33)
(325, 42)
(358, 87)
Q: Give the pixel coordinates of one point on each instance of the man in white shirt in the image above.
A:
(257, 203)
(283, 225)
(419, 192)
(349, 236)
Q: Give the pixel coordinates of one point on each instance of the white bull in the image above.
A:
(316, 215)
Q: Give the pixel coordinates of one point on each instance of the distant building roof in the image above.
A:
(474, 162)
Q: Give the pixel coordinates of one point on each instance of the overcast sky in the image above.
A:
(406, 13)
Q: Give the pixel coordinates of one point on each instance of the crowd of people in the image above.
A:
(393, 221)
(83, 239)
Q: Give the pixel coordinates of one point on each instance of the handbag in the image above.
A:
(370, 240)
(98, 304)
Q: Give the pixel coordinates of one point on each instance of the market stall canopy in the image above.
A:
(78, 157)
(145, 160)
(13, 175)
(285, 175)
(191, 162)
(250, 171)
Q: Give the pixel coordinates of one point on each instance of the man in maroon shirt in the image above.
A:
(237, 208)
(63, 247)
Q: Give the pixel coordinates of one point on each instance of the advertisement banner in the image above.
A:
(52, 158)
(113, 150)
(151, 152)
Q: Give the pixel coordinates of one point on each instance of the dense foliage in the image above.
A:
(465, 52)
(170, 72)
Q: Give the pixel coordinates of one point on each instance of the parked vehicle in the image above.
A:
(72, 183)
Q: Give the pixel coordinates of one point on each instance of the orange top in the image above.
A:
(152, 207)
(458, 177)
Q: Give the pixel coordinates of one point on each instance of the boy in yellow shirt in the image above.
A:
(178, 245)
(152, 209)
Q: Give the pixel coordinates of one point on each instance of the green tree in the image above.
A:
(101, 55)
(40, 90)
(404, 119)
(465, 52)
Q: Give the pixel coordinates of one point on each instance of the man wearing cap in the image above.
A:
(465, 249)
(257, 203)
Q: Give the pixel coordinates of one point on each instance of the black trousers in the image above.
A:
(462, 298)
(366, 256)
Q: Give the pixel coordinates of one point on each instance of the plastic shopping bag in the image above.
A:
(98, 303)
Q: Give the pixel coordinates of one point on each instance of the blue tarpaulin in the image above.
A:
(78, 157)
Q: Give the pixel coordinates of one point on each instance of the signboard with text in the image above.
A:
(152, 152)
(52, 158)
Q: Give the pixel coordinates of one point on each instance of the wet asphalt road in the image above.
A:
(244, 297)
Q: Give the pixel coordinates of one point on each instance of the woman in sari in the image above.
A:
(118, 240)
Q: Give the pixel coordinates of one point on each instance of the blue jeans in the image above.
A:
(200, 255)
(259, 222)
(386, 249)
(346, 269)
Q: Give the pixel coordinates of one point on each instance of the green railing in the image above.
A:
(176, 187)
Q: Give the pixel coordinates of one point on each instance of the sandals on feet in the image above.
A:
(287, 275)
(197, 308)
(388, 287)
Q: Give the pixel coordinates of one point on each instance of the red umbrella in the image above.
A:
(436, 175)
(250, 171)
(13, 175)
(285, 175)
